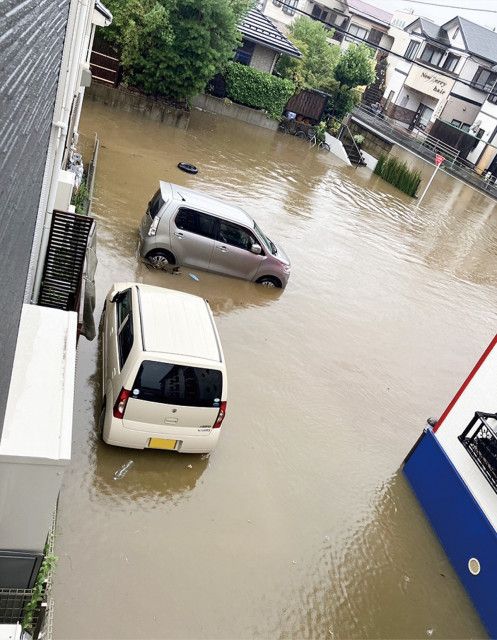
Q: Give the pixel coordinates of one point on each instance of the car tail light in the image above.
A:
(220, 415)
(153, 227)
(121, 402)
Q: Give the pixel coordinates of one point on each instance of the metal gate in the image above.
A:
(63, 270)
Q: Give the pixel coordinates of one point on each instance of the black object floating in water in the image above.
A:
(189, 168)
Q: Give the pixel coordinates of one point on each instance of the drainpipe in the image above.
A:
(59, 127)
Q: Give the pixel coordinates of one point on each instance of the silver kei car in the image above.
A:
(186, 227)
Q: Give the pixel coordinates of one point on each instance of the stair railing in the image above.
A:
(344, 127)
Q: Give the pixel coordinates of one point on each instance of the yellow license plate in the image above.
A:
(161, 443)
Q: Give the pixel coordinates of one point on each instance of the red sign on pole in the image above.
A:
(438, 159)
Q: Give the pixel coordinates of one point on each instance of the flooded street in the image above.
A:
(300, 524)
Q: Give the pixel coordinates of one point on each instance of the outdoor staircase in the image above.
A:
(354, 154)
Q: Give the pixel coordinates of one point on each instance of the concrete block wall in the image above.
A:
(263, 59)
(31, 41)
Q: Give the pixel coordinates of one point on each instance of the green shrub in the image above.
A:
(258, 89)
(397, 172)
(80, 199)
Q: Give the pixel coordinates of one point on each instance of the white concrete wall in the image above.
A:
(336, 148)
(487, 117)
(457, 109)
(479, 395)
(394, 83)
(277, 14)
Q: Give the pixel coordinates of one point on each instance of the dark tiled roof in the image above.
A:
(256, 27)
(479, 40)
(370, 11)
(434, 32)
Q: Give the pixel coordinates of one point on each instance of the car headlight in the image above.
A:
(286, 268)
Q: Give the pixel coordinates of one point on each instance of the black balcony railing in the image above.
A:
(480, 441)
(63, 272)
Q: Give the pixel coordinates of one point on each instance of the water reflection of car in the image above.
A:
(164, 376)
(145, 478)
(186, 227)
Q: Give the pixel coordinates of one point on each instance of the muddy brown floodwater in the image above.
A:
(300, 524)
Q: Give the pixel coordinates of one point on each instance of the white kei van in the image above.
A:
(164, 375)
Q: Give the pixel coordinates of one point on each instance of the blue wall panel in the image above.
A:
(460, 524)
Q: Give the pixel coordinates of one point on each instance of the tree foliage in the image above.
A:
(174, 47)
(314, 70)
(356, 67)
(325, 67)
(258, 89)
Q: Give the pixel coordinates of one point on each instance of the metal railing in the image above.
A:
(344, 127)
(63, 270)
(416, 140)
(480, 441)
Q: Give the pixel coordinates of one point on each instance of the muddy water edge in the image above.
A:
(300, 524)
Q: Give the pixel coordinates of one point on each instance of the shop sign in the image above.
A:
(429, 82)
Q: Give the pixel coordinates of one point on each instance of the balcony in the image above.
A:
(480, 441)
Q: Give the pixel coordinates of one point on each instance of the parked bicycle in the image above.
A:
(305, 131)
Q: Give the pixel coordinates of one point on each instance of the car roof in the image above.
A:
(177, 323)
(206, 203)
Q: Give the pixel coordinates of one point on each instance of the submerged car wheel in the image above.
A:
(160, 259)
(186, 166)
(269, 281)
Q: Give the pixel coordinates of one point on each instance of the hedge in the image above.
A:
(397, 172)
(258, 89)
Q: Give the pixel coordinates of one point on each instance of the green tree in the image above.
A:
(356, 66)
(174, 47)
(314, 70)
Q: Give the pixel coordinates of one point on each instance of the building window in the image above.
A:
(277, 3)
(493, 98)
(432, 55)
(375, 36)
(456, 123)
(244, 53)
(456, 33)
(412, 50)
(290, 6)
(484, 79)
(450, 62)
(359, 32)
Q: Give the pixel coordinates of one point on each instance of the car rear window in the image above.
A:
(178, 384)
(154, 206)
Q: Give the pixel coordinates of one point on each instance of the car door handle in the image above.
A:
(178, 234)
(223, 248)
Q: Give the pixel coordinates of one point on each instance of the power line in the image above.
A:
(468, 83)
(449, 6)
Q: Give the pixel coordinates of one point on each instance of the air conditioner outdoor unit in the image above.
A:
(65, 187)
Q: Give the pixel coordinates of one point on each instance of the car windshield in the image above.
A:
(269, 244)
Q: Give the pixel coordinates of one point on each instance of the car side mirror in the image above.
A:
(256, 248)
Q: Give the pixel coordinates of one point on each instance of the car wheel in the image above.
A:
(301, 134)
(269, 281)
(160, 259)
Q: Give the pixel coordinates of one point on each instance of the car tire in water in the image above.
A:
(270, 282)
(301, 134)
(189, 168)
(160, 259)
(324, 146)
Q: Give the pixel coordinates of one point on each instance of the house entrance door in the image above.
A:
(421, 117)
